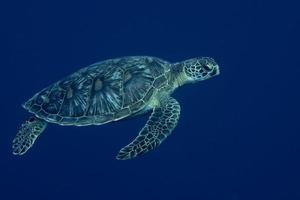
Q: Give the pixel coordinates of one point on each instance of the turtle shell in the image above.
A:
(102, 92)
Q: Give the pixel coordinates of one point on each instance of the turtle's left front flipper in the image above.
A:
(27, 135)
(160, 124)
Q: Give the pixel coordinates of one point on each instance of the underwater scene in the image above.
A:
(140, 100)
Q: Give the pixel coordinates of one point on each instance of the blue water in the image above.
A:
(238, 135)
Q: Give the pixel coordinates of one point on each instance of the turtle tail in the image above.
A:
(27, 135)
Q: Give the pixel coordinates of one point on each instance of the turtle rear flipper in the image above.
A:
(27, 135)
(160, 125)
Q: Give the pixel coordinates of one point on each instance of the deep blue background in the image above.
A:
(238, 136)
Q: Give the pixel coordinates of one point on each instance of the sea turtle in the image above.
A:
(112, 90)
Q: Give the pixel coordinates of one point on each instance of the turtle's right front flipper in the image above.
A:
(159, 126)
(27, 135)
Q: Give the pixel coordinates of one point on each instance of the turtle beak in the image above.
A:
(215, 71)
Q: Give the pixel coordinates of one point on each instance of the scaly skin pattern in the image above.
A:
(112, 90)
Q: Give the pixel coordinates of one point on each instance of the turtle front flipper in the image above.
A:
(160, 124)
(27, 135)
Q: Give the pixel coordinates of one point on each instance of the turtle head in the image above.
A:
(200, 69)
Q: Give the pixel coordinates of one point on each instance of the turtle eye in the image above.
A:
(206, 67)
